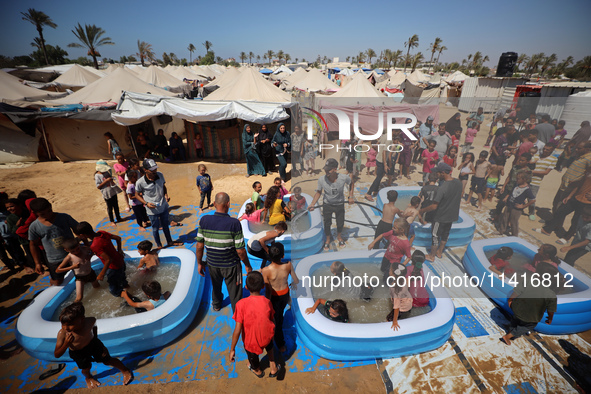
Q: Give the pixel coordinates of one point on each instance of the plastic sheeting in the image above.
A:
(16, 145)
(136, 108)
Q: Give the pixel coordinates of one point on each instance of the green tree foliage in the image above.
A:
(91, 37)
(39, 19)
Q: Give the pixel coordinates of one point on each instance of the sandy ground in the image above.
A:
(70, 188)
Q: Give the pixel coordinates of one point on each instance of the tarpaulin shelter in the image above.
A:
(15, 144)
(315, 81)
(358, 86)
(156, 76)
(250, 85)
(15, 93)
(289, 82)
(221, 80)
(204, 71)
(75, 78)
(265, 71)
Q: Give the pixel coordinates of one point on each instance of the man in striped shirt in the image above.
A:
(573, 175)
(222, 236)
(545, 163)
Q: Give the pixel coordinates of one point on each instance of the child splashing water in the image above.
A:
(500, 262)
(362, 292)
(149, 261)
(398, 245)
(153, 291)
(401, 297)
(250, 214)
(78, 259)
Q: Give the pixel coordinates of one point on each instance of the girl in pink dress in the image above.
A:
(120, 169)
(372, 154)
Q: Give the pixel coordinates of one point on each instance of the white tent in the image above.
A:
(112, 67)
(76, 76)
(16, 145)
(456, 77)
(154, 75)
(576, 110)
(283, 69)
(204, 71)
(110, 88)
(136, 108)
(346, 72)
(315, 81)
(11, 90)
(185, 72)
(289, 82)
(250, 86)
(395, 79)
(358, 86)
(417, 77)
(223, 80)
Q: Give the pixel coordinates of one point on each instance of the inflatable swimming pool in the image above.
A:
(121, 335)
(358, 341)
(297, 245)
(461, 232)
(573, 314)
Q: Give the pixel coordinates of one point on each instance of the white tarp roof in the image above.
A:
(417, 77)
(186, 72)
(346, 72)
(283, 69)
(457, 76)
(358, 86)
(250, 85)
(60, 68)
(204, 71)
(112, 67)
(110, 88)
(298, 75)
(225, 78)
(136, 108)
(156, 76)
(435, 79)
(315, 81)
(12, 90)
(77, 76)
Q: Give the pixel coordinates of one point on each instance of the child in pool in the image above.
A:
(334, 310)
(150, 261)
(79, 334)
(398, 245)
(257, 244)
(546, 254)
(401, 298)
(277, 289)
(254, 320)
(500, 262)
(152, 290)
(412, 210)
(78, 259)
(389, 212)
(416, 280)
(300, 200)
(280, 184)
(250, 215)
(257, 196)
(363, 292)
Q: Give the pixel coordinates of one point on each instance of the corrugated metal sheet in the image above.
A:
(553, 98)
(468, 95)
(487, 93)
(508, 96)
(576, 110)
(570, 84)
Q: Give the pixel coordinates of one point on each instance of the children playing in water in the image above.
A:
(478, 184)
(102, 246)
(279, 183)
(275, 209)
(78, 259)
(416, 280)
(398, 245)
(79, 335)
(335, 310)
(401, 297)
(205, 187)
(149, 261)
(254, 320)
(363, 292)
(412, 210)
(257, 244)
(257, 197)
(389, 211)
(153, 291)
(300, 201)
(500, 262)
(250, 214)
(277, 289)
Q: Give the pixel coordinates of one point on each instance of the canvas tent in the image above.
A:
(456, 77)
(577, 109)
(222, 80)
(204, 71)
(358, 86)
(315, 81)
(76, 78)
(417, 77)
(283, 69)
(14, 92)
(250, 85)
(186, 73)
(154, 75)
(288, 83)
(109, 89)
(15, 144)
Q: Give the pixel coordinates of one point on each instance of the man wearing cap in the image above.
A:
(425, 130)
(151, 191)
(333, 185)
(441, 138)
(447, 204)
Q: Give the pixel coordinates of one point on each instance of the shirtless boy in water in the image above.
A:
(79, 334)
(389, 211)
(276, 288)
(149, 261)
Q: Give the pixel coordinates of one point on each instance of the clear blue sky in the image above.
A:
(306, 29)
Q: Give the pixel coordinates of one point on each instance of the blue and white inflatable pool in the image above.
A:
(297, 245)
(37, 334)
(573, 314)
(461, 232)
(358, 341)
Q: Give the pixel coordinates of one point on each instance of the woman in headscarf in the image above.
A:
(405, 157)
(265, 150)
(253, 163)
(177, 148)
(282, 144)
(454, 123)
(161, 144)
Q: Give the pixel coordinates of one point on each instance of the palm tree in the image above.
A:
(548, 62)
(144, 51)
(396, 55)
(416, 59)
(243, 56)
(522, 59)
(411, 43)
(370, 53)
(37, 43)
(534, 63)
(264, 56)
(207, 45)
(348, 59)
(39, 19)
(280, 55)
(434, 48)
(258, 58)
(584, 66)
(441, 49)
(250, 56)
(296, 59)
(191, 48)
(287, 58)
(360, 58)
(270, 55)
(91, 37)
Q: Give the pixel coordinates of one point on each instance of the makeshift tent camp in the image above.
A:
(204, 71)
(221, 80)
(186, 73)
(110, 88)
(358, 86)
(283, 69)
(315, 81)
(76, 78)
(154, 75)
(14, 92)
(250, 86)
(456, 77)
(15, 144)
(112, 67)
(288, 83)
(417, 77)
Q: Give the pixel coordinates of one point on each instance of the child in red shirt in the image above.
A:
(102, 247)
(499, 262)
(455, 139)
(398, 245)
(451, 156)
(254, 319)
(430, 158)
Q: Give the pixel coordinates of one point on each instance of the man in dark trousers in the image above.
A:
(222, 236)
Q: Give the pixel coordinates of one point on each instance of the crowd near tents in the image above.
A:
(66, 117)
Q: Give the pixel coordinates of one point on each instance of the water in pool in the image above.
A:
(374, 311)
(100, 303)
(301, 224)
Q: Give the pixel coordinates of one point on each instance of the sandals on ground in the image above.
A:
(261, 375)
